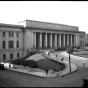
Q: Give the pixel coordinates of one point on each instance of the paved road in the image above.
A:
(16, 79)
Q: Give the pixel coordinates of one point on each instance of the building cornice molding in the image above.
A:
(54, 30)
(11, 25)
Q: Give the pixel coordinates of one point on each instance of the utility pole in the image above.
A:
(69, 62)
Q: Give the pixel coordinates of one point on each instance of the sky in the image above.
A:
(73, 13)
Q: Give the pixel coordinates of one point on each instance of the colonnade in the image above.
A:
(53, 40)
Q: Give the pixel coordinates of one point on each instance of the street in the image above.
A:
(17, 79)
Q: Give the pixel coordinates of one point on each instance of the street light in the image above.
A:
(69, 51)
(69, 62)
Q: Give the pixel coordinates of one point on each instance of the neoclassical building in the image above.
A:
(51, 35)
(15, 40)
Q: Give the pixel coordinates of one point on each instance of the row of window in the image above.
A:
(10, 45)
(11, 56)
(10, 34)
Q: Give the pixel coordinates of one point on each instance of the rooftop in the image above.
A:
(10, 25)
(48, 25)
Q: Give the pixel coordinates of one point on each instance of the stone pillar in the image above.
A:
(20, 40)
(64, 39)
(67, 39)
(55, 40)
(59, 40)
(41, 40)
(51, 40)
(7, 40)
(71, 40)
(74, 40)
(35, 39)
(46, 40)
(15, 40)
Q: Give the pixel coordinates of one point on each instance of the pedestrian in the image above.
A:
(62, 59)
(56, 55)
(46, 71)
(83, 64)
(48, 53)
(9, 65)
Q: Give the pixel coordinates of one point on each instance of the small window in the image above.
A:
(17, 44)
(11, 56)
(83, 42)
(80, 42)
(10, 44)
(4, 56)
(3, 44)
(17, 55)
(17, 34)
(11, 34)
(4, 34)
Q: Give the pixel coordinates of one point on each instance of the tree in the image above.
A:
(32, 64)
(16, 61)
(70, 49)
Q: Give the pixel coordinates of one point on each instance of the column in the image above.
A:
(41, 40)
(15, 40)
(7, 40)
(55, 40)
(67, 39)
(35, 39)
(20, 40)
(74, 40)
(59, 40)
(51, 40)
(64, 39)
(71, 40)
(46, 40)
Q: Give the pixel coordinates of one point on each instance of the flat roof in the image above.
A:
(11, 25)
(48, 25)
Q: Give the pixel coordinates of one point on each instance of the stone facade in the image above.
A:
(39, 34)
(8, 51)
(86, 38)
(51, 35)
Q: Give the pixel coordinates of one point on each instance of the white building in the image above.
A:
(15, 40)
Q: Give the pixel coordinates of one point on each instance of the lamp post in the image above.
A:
(69, 62)
(69, 51)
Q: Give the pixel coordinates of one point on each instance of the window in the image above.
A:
(17, 44)
(83, 42)
(4, 56)
(3, 44)
(11, 56)
(80, 42)
(17, 34)
(17, 55)
(10, 44)
(4, 34)
(11, 34)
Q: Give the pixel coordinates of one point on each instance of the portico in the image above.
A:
(53, 40)
(50, 35)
